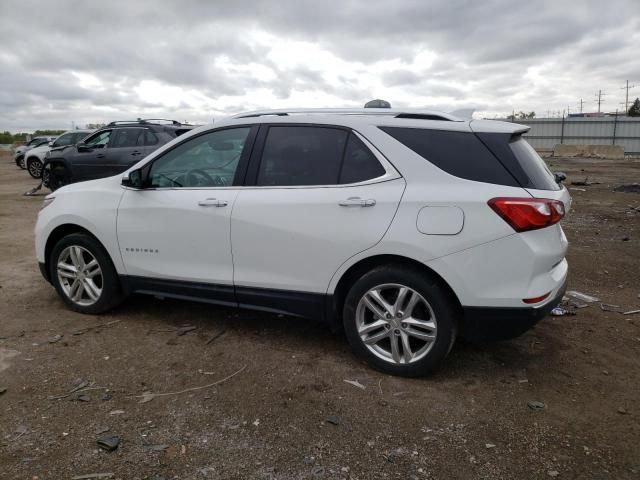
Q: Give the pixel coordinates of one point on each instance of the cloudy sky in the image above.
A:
(86, 62)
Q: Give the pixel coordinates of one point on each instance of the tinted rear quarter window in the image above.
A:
(360, 164)
(458, 153)
(537, 172)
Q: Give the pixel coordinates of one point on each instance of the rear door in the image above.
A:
(126, 148)
(316, 196)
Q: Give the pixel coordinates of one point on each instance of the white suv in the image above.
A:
(409, 228)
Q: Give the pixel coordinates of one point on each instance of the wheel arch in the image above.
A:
(59, 233)
(355, 271)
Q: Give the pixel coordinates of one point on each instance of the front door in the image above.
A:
(177, 229)
(90, 161)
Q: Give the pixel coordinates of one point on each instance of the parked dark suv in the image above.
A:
(109, 151)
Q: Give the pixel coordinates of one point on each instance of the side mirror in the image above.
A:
(51, 144)
(83, 147)
(133, 179)
(560, 177)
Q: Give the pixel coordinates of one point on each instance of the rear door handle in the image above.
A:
(212, 202)
(100, 155)
(136, 153)
(357, 202)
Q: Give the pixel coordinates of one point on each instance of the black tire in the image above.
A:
(111, 294)
(34, 167)
(439, 299)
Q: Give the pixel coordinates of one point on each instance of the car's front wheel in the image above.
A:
(34, 167)
(20, 162)
(83, 274)
(400, 321)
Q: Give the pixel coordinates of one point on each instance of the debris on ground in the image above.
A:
(3, 390)
(583, 297)
(84, 330)
(82, 386)
(355, 383)
(332, 419)
(157, 448)
(536, 405)
(583, 183)
(630, 312)
(215, 337)
(607, 307)
(628, 188)
(560, 312)
(101, 430)
(148, 396)
(553, 473)
(108, 442)
(116, 412)
(56, 338)
(21, 430)
(623, 411)
(490, 445)
(92, 475)
(184, 329)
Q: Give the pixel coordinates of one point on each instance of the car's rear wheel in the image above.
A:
(34, 167)
(400, 321)
(83, 274)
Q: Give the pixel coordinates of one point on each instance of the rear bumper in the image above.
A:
(485, 324)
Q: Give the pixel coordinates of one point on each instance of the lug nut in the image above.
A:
(396, 332)
(388, 316)
(403, 325)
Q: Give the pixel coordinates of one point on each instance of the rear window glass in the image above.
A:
(539, 175)
(458, 153)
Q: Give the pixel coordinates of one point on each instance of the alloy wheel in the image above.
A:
(80, 275)
(35, 168)
(396, 323)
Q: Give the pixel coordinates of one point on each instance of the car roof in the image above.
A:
(377, 117)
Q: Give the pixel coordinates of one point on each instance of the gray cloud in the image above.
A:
(495, 55)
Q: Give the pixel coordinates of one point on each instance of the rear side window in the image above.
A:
(360, 164)
(302, 156)
(149, 138)
(458, 153)
(64, 140)
(128, 137)
(305, 155)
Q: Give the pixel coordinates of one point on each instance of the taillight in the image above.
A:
(524, 214)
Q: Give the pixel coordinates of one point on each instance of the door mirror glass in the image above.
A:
(560, 177)
(132, 179)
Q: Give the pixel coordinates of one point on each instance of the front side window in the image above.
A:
(79, 136)
(64, 140)
(99, 140)
(209, 160)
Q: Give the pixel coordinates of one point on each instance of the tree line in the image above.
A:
(11, 138)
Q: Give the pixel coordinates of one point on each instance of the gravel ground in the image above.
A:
(288, 413)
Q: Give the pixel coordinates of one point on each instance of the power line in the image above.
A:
(627, 87)
(599, 96)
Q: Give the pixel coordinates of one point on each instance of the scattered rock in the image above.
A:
(333, 419)
(623, 411)
(116, 412)
(100, 430)
(106, 396)
(56, 338)
(553, 473)
(490, 445)
(628, 188)
(355, 383)
(109, 442)
(536, 405)
(83, 398)
(317, 472)
(3, 390)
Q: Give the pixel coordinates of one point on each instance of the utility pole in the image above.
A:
(581, 102)
(599, 96)
(626, 97)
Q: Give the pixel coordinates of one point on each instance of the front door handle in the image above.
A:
(136, 153)
(100, 155)
(212, 202)
(357, 202)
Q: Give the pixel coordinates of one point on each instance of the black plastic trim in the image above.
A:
(43, 271)
(314, 306)
(485, 324)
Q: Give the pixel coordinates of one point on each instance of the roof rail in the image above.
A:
(147, 120)
(388, 112)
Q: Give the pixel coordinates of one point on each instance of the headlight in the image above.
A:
(47, 201)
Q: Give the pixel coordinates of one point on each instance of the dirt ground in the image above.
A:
(289, 414)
